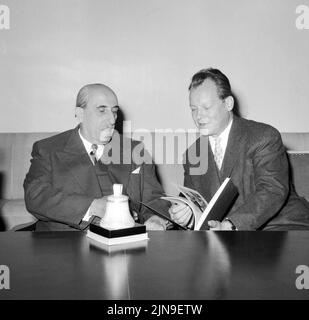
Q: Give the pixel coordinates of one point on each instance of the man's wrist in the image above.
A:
(190, 224)
(233, 227)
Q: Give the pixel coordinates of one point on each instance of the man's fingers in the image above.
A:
(155, 223)
(178, 207)
(213, 224)
(185, 215)
(182, 217)
(154, 226)
(184, 220)
(169, 225)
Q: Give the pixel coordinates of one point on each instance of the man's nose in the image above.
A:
(112, 118)
(200, 113)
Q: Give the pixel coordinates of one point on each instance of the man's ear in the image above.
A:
(229, 103)
(79, 114)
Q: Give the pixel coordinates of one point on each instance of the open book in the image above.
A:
(216, 209)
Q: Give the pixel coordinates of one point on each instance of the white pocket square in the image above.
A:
(136, 171)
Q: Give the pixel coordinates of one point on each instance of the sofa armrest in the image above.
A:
(13, 213)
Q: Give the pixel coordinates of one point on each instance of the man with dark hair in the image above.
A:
(221, 81)
(68, 180)
(250, 153)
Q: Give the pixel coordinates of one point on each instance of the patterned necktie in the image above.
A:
(218, 152)
(93, 153)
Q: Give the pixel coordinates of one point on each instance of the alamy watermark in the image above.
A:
(161, 146)
(302, 20)
(4, 277)
(302, 281)
(4, 17)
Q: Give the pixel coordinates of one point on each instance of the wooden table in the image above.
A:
(171, 265)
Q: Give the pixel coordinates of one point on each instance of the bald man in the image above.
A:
(72, 173)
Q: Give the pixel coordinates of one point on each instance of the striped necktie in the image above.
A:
(218, 152)
(93, 153)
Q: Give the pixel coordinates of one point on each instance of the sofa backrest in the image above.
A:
(15, 155)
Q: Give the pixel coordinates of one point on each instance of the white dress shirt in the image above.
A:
(88, 147)
(224, 135)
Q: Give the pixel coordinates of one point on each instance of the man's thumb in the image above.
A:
(213, 224)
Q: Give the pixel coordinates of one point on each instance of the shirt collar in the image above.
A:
(225, 133)
(88, 145)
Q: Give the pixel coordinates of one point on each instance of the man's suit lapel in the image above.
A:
(120, 173)
(212, 179)
(232, 149)
(209, 181)
(77, 161)
(113, 158)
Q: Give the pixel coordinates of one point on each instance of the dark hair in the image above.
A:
(220, 79)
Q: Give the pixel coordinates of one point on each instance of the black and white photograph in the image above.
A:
(110, 107)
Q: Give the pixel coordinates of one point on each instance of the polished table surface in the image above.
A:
(171, 265)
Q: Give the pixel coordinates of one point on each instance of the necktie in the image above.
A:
(93, 152)
(101, 171)
(218, 152)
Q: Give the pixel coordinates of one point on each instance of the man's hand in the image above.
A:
(155, 223)
(180, 213)
(98, 207)
(220, 226)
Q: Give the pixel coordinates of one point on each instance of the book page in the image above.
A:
(193, 196)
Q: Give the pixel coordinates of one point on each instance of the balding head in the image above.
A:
(96, 110)
(89, 89)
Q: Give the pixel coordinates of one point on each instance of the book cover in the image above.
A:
(219, 205)
(216, 209)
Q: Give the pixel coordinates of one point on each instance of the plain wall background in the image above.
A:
(147, 51)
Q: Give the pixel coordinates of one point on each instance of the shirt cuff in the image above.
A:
(87, 216)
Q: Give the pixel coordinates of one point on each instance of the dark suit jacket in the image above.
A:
(256, 161)
(61, 182)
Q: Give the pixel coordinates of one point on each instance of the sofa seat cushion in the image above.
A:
(13, 213)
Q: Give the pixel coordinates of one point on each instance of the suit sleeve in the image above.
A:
(271, 174)
(187, 178)
(46, 202)
(151, 189)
